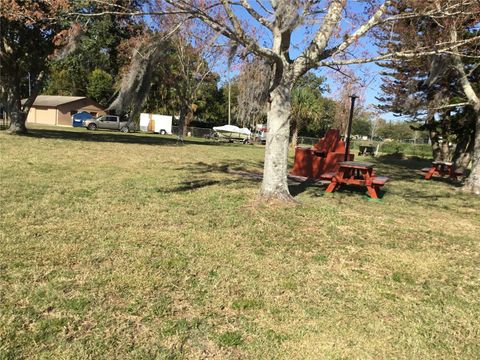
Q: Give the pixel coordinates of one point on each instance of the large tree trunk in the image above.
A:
(445, 151)
(436, 146)
(181, 123)
(17, 113)
(440, 148)
(17, 123)
(462, 159)
(463, 151)
(472, 184)
(274, 184)
(188, 121)
(184, 121)
(434, 137)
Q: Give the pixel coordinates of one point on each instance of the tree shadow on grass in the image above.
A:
(253, 168)
(193, 185)
(415, 188)
(457, 202)
(248, 171)
(297, 186)
(401, 169)
(345, 194)
(410, 170)
(296, 189)
(196, 184)
(112, 137)
(411, 163)
(239, 173)
(446, 180)
(360, 191)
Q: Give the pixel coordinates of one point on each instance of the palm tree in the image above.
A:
(305, 108)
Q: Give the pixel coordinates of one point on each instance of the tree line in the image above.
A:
(103, 54)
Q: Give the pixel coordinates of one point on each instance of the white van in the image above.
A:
(161, 124)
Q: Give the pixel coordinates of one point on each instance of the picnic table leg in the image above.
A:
(372, 191)
(430, 173)
(332, 186)
(334, 183)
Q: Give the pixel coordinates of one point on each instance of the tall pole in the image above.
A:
(229, 99)
(349, 131)
(229, 104)
(29, 85)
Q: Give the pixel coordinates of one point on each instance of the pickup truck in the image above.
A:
(110, 122)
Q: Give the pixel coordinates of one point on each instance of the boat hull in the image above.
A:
(232, 135)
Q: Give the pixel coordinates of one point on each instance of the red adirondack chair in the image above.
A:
(322, 159)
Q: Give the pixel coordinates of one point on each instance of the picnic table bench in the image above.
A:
(355, 173)
(442, 168)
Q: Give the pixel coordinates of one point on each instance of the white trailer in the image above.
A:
(161, 124)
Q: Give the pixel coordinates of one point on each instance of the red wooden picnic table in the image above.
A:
(442, 168)
(357, 173)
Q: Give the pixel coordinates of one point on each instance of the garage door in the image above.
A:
(45, 116)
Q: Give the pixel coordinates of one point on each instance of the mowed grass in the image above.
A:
(128, 246)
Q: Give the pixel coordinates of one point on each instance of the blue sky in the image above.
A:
(301, 37)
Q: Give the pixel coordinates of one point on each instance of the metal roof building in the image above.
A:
(58, 110)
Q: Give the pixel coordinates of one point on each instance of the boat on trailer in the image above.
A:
(232, 133)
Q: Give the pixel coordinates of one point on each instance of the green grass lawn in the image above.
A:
(127, 246)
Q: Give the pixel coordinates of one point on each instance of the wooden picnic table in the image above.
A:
(442, 168)
(357, 173)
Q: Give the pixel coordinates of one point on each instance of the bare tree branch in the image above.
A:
(448, 106)
(315, 50)
(445, 48)
(467, 87)
(371, 23)
(241, 38)
(262, 20)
